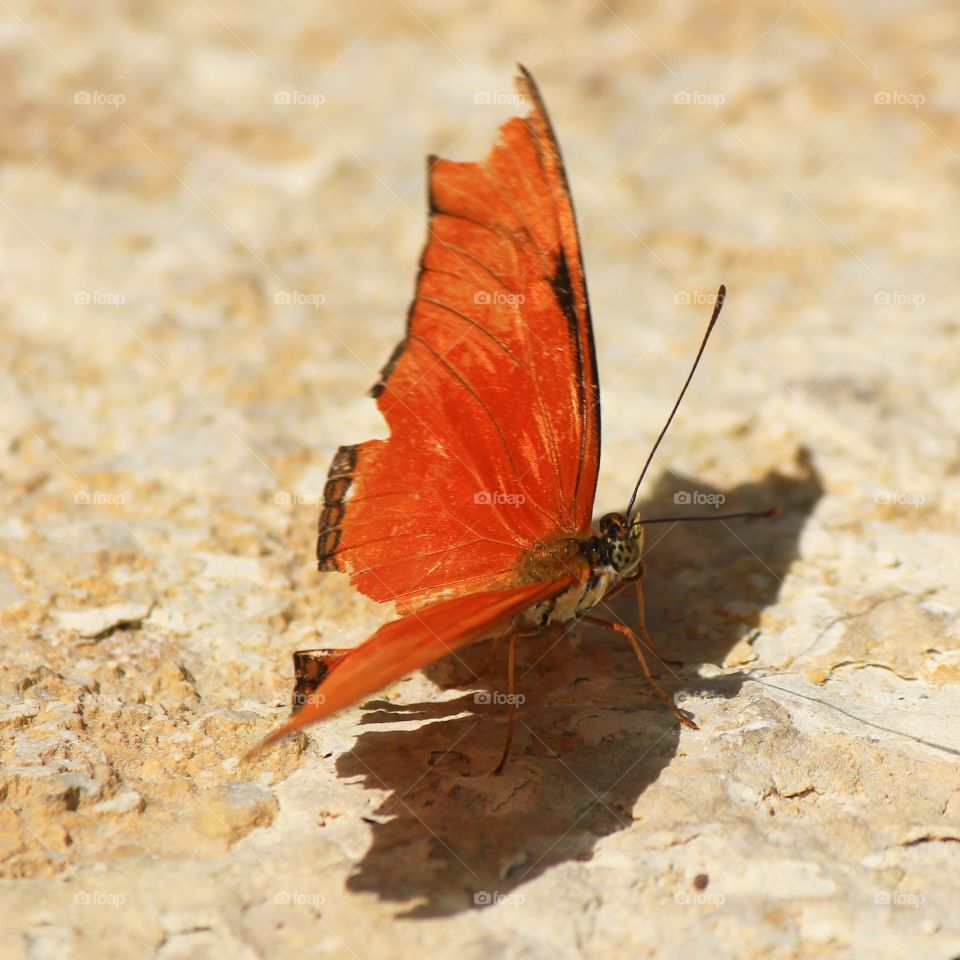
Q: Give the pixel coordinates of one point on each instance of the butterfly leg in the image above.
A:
(511, 703)
(485, 666)
(637, 581)
(638, 649)
(642, 621)
(511, 698)
(644, 635)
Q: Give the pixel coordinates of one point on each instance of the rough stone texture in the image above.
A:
(210, 220)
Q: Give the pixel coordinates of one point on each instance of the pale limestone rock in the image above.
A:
(211, 223)
(99, 621)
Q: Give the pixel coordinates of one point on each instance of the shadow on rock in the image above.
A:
(591, 735)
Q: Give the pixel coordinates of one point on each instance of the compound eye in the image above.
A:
(611, 525)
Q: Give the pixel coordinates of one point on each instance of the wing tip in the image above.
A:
(309, 714)
(432, 207)
(527, 88)
(266, 742)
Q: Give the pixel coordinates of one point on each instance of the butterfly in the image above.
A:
(475, 516)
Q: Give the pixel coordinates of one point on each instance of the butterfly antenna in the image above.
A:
(740, 515)
(718, 306)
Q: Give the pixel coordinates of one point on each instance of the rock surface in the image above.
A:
(211, 218)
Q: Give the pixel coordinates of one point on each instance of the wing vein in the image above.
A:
(466, 253)
(473, 323)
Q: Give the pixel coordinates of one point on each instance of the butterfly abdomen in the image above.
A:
(572, 603)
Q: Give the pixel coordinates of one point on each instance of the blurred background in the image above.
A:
(210, 218)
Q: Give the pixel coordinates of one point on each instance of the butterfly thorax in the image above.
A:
(600, 560)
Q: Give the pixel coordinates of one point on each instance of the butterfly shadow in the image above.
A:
(590, 735)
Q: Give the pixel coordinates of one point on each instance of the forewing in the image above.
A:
(491, 398)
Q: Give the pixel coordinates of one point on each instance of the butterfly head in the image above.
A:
(620, 544)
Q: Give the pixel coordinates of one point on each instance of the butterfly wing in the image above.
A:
(310, 669)
(492, 396)
(402, 646)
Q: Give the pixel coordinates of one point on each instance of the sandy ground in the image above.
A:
(210, 216)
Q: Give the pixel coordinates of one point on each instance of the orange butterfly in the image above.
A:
(474, 517)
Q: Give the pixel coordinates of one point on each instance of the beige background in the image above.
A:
(199, 281)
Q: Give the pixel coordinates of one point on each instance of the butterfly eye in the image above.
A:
(613, 525)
